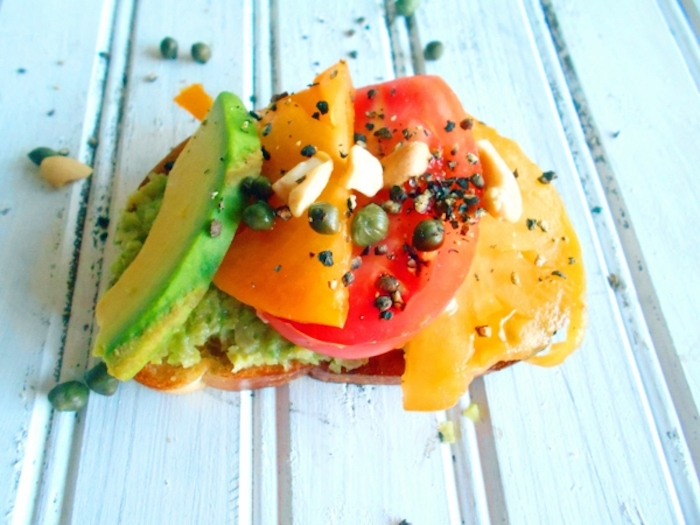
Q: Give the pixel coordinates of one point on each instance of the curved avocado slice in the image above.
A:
(199, 215)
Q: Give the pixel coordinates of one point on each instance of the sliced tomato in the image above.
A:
(421, 108)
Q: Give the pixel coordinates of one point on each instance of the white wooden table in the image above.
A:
(604, 92)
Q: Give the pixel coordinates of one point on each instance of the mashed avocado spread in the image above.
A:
(247, 340)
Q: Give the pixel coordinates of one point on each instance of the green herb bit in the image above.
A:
(40, 153)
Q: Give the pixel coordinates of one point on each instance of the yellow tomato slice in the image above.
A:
(527, 282)
(279, 271)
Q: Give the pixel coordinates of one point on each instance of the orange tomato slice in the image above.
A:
(279, 271)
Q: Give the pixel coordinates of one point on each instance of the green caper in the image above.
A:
(324, 218)
(99, 380)
(257, 187)
(70, 396)
(259, 216)
(406, 7)
(369, 225)
(40, 153)
(201, 52)
(168, 48)
(428, 235)
(433, 50)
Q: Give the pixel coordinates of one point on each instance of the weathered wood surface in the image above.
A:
(604, 93)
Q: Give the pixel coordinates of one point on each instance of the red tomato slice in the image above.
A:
(421, 108)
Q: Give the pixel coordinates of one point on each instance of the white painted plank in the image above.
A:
(50, 79)
(661, 114)
(662, 376)
(562, 436)
(620, 180)
(146, 457)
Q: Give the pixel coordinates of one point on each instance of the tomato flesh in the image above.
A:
(421, 108)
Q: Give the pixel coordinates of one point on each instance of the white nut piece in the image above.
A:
(302, 185)
(409, 160)
(502, 198)
(58, 170)
(364, 173)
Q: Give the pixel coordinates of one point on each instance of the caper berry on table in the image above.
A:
(428, 235)
(324, 218)
(40, 153)
(369, 225)
(99, 380)
(433, 50)
(70, 396)
(406, 7)
(257, 187)
(168, 48)
(201, 52)
(259, 216)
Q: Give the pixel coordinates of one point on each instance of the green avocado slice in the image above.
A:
(201, 210)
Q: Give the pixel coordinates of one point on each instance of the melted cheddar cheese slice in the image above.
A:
(527, 283)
